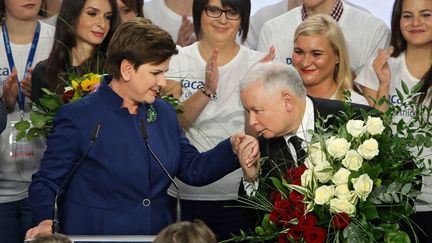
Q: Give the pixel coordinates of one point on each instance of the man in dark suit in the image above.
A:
(280, 111)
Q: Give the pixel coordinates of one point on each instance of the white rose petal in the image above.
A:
(352, 161)
(323, 194)
(374, 125)
(368, 149)
(355, 127)
(341, 176)
(338, 147)
(343, 192)
(363, 186)
(342, 206)
(307, 178)
(314, 147)
(317, 157)
(323, 172)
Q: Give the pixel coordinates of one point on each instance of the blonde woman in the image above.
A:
(320, 56)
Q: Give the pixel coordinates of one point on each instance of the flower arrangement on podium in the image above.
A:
(358, 182)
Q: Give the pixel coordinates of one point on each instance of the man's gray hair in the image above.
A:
(275, 77)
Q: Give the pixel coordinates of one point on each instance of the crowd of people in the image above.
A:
(113, 165)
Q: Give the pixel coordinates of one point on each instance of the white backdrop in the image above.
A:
(379, 8)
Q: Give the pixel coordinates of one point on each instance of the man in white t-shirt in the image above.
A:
(363, 32)
(263, 15)
(174, 16)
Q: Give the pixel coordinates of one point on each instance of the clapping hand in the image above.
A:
(212, 72)
(185, 35)
(381, 66)
(270, 55)
(10, 87)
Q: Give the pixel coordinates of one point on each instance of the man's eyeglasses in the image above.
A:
(215, 12)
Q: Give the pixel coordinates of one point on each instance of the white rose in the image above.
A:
(337, 147)
(368, 149)
(323, 194)
(343, 192)
(314, 147)
(317, 157)
(363, 186)
(323, 172)
(307, 178)
(374, 125)
(341, 176)
(355, 127)
(352, 161)
(341, 205)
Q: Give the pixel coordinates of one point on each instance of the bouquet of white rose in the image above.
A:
(358, 183)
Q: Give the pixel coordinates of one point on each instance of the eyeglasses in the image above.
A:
(215, 12)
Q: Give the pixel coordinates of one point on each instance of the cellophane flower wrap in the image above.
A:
(358, 182)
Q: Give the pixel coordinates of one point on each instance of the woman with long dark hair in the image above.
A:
(83, 31)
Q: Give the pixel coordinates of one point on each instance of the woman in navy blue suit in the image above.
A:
(119, 188)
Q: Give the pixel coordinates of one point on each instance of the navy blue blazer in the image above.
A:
(106, 192)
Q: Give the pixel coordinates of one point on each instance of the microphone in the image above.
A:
(145, 137)
(93, 138)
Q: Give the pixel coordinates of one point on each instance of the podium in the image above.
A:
(111, 238)
(108, 238)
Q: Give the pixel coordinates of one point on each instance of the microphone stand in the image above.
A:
(145, 136)
(56, 223)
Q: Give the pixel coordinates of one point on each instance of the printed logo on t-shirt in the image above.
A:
(406, 111)
(4, 73)
(190, 87)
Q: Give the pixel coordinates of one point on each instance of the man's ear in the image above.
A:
(288, 100)
(126, 69)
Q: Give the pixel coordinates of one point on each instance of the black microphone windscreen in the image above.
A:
(95, 132)
(143, 129)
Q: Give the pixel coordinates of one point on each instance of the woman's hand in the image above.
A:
(43, 228)
(381, 67)
(247, 150)
(270, 55)
(212, 72)
(185, 34)
(26, 84)
(10, 89)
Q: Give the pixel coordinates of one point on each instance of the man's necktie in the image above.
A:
(300, 152)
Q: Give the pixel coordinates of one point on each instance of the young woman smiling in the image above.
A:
(83, 31)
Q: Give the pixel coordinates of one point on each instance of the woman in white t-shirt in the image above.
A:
(408, 60)
(209, 72)
(24, 41)
(321, 58)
